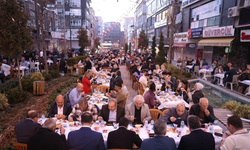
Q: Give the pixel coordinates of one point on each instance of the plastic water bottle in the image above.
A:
(211, 129)
(179, 97)
(182, 124)
(102, 123)
(166, 90)
(215, 122)
(152, 124)
(43, 116)
(146, 123)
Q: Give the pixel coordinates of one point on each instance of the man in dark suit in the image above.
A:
(28, 127)
(123, 138)
(112, 112)
(85, 138)
(202, 110)
(60, 109)
(46, 138)
(229, 75)
(159, 141)
(197, 139)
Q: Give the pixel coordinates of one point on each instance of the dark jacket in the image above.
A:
(88, 65)
(195, 110)
(172, 113)
(197, 140)
(113, 80)
(66, 109)
(123, 139)
(159, 143)
(120, 112)
(25, 129)
(47, 139)
(85, 139)
(196, 96)
(229, 75)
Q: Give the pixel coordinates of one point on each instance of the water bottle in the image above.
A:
(152, 124)
(179, 97)
(166, 90)
(43, 116)
(215, 122)
(146, 123)
(211, 129)
(98, 91)
(182, 124)
(102, 123)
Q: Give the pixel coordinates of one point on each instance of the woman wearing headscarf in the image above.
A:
(195, 95)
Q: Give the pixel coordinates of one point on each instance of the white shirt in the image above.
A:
(237, 141)
(93, 69)
(60, 110)
(112, 116)
(41, 53)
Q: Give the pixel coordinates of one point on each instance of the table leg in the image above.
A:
(248, 93)
(221, 82)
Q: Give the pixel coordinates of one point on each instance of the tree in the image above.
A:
(160, 59)
(143, 40)
(126, 48)
(96, 43)
(129, 48)
(83, 40)
(153, 47)
(15, 37)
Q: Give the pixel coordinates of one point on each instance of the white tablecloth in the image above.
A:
(22, 68)
(97, 99)
(221, 76)
(205, 71)
(248, 83)
(143, 132)
(169, 101)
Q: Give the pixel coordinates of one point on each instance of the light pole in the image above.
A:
(70, 28)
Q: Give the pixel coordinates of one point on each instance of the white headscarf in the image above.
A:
(199, 86)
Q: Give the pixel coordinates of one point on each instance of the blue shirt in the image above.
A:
(24, 64)
(74, 97)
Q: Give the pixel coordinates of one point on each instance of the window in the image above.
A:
(217, 20)
(201, 23)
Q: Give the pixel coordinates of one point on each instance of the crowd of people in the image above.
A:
(124, 111)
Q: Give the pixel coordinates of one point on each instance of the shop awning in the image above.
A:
(179, 44)
(215, 42)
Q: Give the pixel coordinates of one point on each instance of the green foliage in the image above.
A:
(143, 40)
(47, 77)
(83, 40)
(81, 51)
(5, 87)
(153, 47)
(15, 95)
(172, 68)
(238, 109)
(160, 59)
(54, 73)
(27, 83)
(74, 60)
(188, 75)
(37, 76)
(3, 101)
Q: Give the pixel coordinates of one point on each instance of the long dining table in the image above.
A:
(144, 132)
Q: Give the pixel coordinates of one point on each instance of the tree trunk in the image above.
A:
(43, 39)
(19, 75)
(171, 34)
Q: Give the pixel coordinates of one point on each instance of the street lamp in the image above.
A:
(73, 15)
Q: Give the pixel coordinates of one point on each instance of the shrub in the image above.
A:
(37, 76)
(27, 84)
(231, 105)
(54, 73)
(15, 96)
(238, 109)
(47, 77)
(74, 60)
(172, 68)
(3, 101)
(5, 87)
(188, 75)
(53, 67)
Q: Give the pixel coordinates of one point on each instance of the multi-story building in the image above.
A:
(140, 17)
(92, 28)
(127, 21)
(211, 31)
(114, 36)
(99, 28)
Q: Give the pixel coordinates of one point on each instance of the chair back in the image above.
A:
(140, 89)
(103, 88)
(93, 87)
(163, 113)
(196, 69)
(235, 78)
(20, 146)
(32, 65)
(155, 113)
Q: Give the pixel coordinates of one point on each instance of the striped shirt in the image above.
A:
(77, 112)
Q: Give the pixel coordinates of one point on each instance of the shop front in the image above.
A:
(216, 42)
(183, 47)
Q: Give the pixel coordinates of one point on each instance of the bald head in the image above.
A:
(79, 87)
(180, 109)
(203, 103)
(32, 114)
(59, 101)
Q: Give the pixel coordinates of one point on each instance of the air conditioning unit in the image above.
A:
(247, 3)
(233, 12)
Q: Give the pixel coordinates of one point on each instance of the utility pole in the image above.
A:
(64, 50)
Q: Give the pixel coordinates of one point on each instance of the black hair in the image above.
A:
(86, 117)
(235, 121)
(152, 87)
(123, 122)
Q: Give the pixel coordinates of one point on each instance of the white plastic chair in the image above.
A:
(234, 82)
